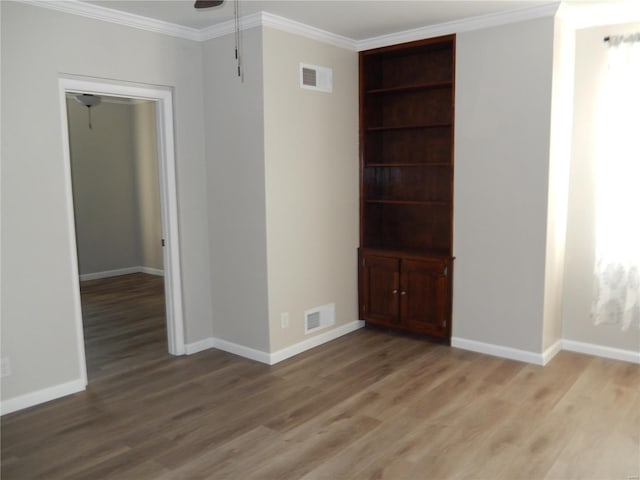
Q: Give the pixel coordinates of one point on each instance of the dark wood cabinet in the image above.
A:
(406, 185)
(411, 294)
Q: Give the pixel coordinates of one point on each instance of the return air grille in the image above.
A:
(309, 77)
(313, 77)
(319, 317)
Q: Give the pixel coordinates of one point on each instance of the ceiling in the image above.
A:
(357, 20)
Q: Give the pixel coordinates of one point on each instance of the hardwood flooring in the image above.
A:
(124, 323)
(369, 405)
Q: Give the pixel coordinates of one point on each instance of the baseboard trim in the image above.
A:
(275, 357)
(120, 271)
(551, 352)
(601, 351)
(498, 351)
(315, 341)
(109, 273)
(41, 396)
(241, 350)
(199, 346)
(546, 356)
(152, 271)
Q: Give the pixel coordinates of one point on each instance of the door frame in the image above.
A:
(163, 97)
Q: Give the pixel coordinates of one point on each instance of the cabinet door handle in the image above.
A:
(446, 270)
(394, 292)
(403, 292)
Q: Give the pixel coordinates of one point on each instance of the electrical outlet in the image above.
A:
(5, 367)
(284, 320)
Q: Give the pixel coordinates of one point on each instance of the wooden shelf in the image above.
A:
(403, 165)
(407, 202)
(382, 250)
(406, 185)
(409, 88)
(408, 127)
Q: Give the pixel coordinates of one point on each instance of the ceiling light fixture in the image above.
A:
(88, 100)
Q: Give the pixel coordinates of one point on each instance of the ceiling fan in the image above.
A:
(208, 3)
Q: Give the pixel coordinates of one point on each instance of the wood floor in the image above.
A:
(369, 405)
(124, 323)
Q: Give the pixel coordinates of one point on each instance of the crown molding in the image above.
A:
(228, 27)
(459, 26)
(118, 17)
(297, 28)
(266, 19)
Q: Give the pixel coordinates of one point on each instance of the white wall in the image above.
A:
(236, 191)
(102, 169)
(311, 158)
(503, 111)
(114, 168)
(38, 45)
(147, 188)
(590, 66)
(283, 187)
(558, 188)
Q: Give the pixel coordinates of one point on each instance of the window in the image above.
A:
(617, 272)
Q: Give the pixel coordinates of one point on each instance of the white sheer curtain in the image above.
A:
(617, 272)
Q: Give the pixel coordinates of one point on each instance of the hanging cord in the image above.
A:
(238, 39)
(89, 109)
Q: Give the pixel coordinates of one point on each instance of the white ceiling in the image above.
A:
(354, 19)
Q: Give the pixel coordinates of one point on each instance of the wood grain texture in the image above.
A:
(367, 405)
(124, 322)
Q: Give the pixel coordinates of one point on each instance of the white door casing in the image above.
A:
(163, 97)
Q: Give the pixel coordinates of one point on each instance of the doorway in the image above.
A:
(160, 100)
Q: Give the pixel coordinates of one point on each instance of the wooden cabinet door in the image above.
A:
(424, 296)
(380, 277)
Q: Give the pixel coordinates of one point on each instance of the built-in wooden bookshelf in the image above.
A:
(406, 179)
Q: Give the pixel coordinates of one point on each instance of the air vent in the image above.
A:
(313, 77)
(309, 77)
(320, 317)
(313, 321)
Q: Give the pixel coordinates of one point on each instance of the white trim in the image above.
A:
(152, 271)
(120, 271)
(601, 351)
(459, 26)
(315, 341)
(229, 27)
(241, 350)
(170, 225)
(498, 351)
(168, 196)
(551, 352)
(275, 357)
(109, 273)
(88, 10)
(266, 19)
(199, 346)
(72, 252)
(297, 28)
(41, 396)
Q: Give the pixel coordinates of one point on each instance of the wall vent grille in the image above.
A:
(309, 77)
(314, 77)
(319, 318)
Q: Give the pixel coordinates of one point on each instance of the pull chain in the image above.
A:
(236, 15)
